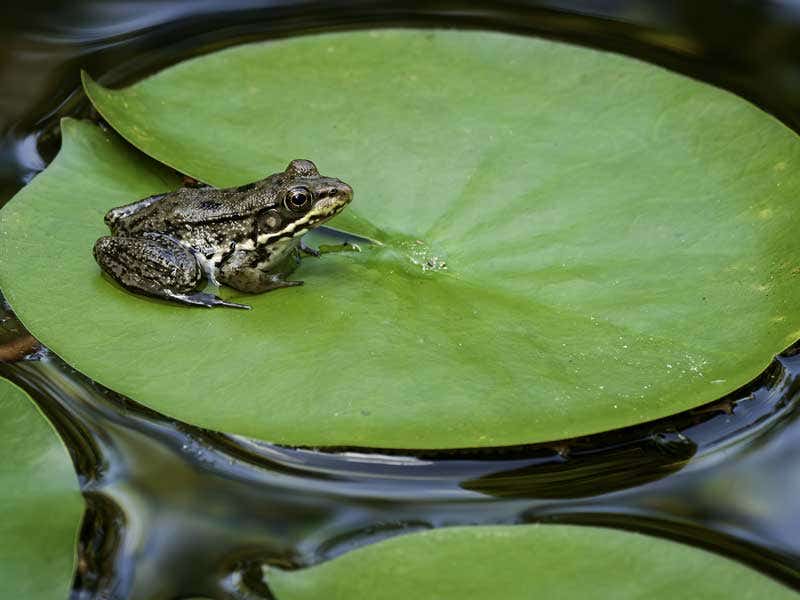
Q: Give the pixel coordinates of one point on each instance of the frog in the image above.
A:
(182, 245)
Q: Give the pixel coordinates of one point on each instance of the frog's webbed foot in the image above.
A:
(156, 265)
(309, 249)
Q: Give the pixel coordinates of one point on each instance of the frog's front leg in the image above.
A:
(241, 271)
(156, 265)
(254, 281)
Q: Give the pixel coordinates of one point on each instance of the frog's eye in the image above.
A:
(298, 198)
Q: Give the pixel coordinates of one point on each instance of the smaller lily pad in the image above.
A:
(40, 503)
(525, 563)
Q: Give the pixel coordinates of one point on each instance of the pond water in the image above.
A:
(178, 512)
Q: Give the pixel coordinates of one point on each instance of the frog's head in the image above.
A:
(307, 199)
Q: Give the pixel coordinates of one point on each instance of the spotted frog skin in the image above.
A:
(175, 245)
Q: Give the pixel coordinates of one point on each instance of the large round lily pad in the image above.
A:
(525, 563)
(573, 241)
(40, 503)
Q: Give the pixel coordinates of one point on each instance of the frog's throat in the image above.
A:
(311, 219)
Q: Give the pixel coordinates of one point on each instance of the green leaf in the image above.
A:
(620, 242)
(525, 562)
(40, 503)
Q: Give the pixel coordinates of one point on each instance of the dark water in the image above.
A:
(176, 512)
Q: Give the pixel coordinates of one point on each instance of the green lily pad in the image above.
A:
(40, 503)
(572, 241)
(524, 563)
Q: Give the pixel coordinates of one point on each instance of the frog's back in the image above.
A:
(189, 206)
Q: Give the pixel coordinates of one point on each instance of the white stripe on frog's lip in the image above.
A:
(320, 212)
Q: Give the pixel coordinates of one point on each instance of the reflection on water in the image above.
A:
(176, 512)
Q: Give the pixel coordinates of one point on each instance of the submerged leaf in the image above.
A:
(40, 503)
(571, 241)
(525, 562)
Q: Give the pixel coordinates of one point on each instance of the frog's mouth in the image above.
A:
(325, 209)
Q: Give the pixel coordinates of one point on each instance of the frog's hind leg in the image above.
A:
(156, 265)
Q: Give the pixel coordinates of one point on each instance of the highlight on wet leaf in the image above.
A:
(40, 503)
(585, 242)
(525, 561)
